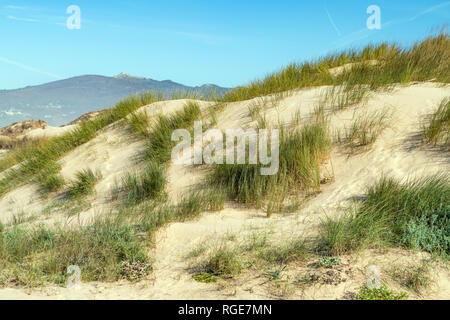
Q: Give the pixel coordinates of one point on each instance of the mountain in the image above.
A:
(59, 102)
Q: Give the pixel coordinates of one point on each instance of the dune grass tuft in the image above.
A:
(414, 214)
(437, 131)
(139, 186)
(256, 251)
(84, 184)
(159, 142)
(426, 60)
(139, 123)
(300, 156)
(49, 179)
(366, 128)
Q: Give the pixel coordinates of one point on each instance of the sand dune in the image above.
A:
(398, 152)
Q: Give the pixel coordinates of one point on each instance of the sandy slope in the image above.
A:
(398, 152)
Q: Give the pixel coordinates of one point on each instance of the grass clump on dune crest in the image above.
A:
(414, 214)
(437, 131)
(426, 60)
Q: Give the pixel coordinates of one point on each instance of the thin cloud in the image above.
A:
(332, 22)
(22, 19)
(28, 68)
(11, 7)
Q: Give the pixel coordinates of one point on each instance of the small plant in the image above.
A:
(204, 277)
(255, 111)
(134, 271)
(329, 262)
(382, 293)
(291, 251)
(84, 184)
(275, 274)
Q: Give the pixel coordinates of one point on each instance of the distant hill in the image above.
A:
(62, 101)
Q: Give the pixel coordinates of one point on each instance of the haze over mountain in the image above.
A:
(62, 101)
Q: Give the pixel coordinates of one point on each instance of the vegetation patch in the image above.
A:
(84, 184)
(34, 257)
(426, 60)
(228, 260)
(160, 142)
(382, 293)
(140, 186)
(414, 214)
(366, 128)
(437, 131)
(301, 153)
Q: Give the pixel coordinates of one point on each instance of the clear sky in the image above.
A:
(194, 42)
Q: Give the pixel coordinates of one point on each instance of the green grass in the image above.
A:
(139, 123)
(366, 128)
(382, 293)
(84, 184)
(427, 59)
(222, 261)
(437, 130)
(150, 182)
(300, 156)
(340, 97)
(414, 214)
(159, 142)
(49, 179)
(140, 186)
(33, 257)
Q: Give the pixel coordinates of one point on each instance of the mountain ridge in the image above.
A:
(59, 102)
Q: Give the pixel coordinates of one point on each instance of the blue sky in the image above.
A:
(228, 43)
